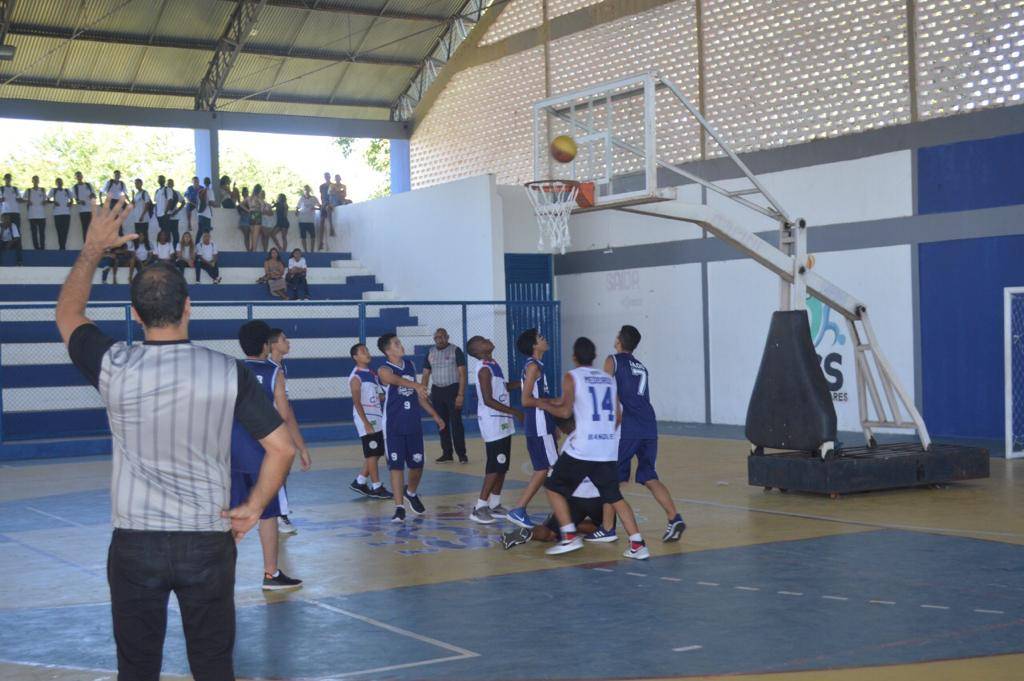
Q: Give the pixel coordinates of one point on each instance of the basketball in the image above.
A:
(563, 148)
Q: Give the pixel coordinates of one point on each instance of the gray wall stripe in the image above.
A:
(839, 237)
(915, 297)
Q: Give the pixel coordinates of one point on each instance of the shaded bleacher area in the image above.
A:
(49, 410)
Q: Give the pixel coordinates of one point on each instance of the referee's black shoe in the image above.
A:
(279, 581)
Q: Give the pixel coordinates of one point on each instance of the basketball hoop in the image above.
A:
(553, 202)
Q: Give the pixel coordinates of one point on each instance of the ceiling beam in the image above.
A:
(38, 110)
(359, 11)
(240, 25)
(6, 12)
(263, 49)
(187, 91)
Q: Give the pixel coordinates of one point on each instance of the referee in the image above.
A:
(170, 405)
(445, 365)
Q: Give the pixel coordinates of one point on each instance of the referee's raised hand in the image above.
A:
(104, 230)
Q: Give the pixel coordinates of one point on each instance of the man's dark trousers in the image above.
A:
(443, 400)
(143, 568)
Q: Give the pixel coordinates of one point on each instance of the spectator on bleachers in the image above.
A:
(280, 222)
(273, 274)
(206, 259)
(114, 189)
(296, 277)
(257, 209)
(163, 196)
(164, 250)
(35, 197)
(10, 237)
(175, 202)
(143, 255)
(245, 219)
(10, 198)
(305, 209)
(326, 215)
(61, 198)
(114, 258)
(142, 209)
(207, 202)
(228, 193)
(186, 253)
(84, 196)
(192, 200)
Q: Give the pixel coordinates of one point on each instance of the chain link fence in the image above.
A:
(1015, 374)
(44, 396)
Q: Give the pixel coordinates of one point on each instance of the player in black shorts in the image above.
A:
(367, 416)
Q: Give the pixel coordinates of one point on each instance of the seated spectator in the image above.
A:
(280, 222)
(114, 258)
(296, 277)
(186, 253)
(206, 259)
(273, 274)
(143, 255)
(228, 193)
(305, 209)
(10, 238)
(164, 249)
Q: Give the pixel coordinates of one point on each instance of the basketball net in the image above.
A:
(553, 202)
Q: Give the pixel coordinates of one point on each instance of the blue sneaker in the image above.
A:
(602, 536)
(518, 516)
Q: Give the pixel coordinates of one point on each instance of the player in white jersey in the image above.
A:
(495, 418)
(591, 451)
(369, 420)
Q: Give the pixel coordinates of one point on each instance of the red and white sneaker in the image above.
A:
(569, 543)
(637, 550)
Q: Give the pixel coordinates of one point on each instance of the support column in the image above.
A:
(401, 179)
(207, 155)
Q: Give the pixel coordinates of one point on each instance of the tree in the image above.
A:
(346, 145)
(378, 157)
(246, 171)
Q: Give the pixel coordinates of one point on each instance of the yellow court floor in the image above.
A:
(899, 585)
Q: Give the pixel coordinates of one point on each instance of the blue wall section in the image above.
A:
(970, 175)
(962, 332)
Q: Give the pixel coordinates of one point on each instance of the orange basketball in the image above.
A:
(563, 148)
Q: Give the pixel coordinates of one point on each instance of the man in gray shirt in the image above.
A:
(446, 365)
(171, 406)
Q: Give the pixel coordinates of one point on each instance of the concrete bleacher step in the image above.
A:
(230, 275)
(33, 258)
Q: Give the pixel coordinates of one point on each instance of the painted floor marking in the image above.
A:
(989, 612)
(54, 517)
(708, 583)
(672, 579)
(790, 593)
(636, 574)
(747, 588)
(935, 607)
(882, 602)
(835, 598)
(686, 649)
(604, 570)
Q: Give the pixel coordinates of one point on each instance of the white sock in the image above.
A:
(480, 503)
(361, 479)
(636, 537)
(568, 529)
(494, 501)
(374, 485)
(277, 573)
(410, 493)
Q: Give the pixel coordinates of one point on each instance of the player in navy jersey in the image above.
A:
(247, 453)
(280, 346)
(539, 425)
(369, 421)
(639, 430)
(403, 430)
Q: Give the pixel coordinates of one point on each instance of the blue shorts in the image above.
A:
(646, 452)
(241, 487)
(543, 452)
(404, 451)
(307, 229)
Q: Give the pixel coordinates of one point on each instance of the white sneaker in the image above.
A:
(285, 526)
(639, 553)
(482, 516)
(565, 546)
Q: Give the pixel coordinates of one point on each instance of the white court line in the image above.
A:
(55, 517)
(686, 649)
(603, 570)
(936, 607)
(708, 583)
(790, 593)
(835, 598)
(636, 574)
(672, 579)
(747, 588)
(460, 653)
(989, 612)
(883, 602)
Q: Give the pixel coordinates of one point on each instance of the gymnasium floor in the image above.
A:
(917, 584)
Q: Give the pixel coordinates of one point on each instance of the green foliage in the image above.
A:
(346, 145)
(246, 171)
(378, 157)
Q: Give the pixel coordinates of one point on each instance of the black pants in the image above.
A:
(85, 217)
(38, 227)
(63, 224)
(203, 266)
(143, 568)
(169, 224)
(204, 227)
(297, 286)
(12, 245)
(443, 401)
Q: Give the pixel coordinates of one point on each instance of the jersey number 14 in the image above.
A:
(606, 404)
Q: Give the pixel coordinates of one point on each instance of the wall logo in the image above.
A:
(828, 338)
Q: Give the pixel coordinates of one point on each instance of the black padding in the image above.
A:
(790, 407)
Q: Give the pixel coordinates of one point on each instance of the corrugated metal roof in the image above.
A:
(302, 49)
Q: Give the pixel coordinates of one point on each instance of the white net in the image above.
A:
(553, 202)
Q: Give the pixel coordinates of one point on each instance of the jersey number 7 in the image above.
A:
(606, 404)
(642, 374)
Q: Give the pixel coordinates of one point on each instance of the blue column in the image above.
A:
(400, 177)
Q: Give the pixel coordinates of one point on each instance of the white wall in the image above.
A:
(440, 243)
(664, 303)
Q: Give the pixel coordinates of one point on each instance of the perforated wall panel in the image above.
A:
(970, 55)
(789, 71)
(522, 15)
(481, 123)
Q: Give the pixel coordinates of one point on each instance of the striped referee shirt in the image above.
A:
(444, 365)
(170, 407)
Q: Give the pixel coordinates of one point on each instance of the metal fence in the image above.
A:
(44, 396)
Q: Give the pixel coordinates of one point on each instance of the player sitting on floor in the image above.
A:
(403, 430)
(591, 451)
(538, 424)
(368, 417)
(494, 416)
(247, 453)
(638, 435)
